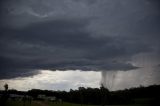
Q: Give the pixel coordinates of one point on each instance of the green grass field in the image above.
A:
(39, 103)
(20, 103)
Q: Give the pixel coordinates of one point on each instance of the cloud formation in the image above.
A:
(88, 35)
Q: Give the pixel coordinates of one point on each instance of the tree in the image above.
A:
(6, 87)
(104, 95)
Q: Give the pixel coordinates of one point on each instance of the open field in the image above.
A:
(41, 103)
(20, 103)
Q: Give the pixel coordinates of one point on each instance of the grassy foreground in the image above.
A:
(20, 103)
(40, 103)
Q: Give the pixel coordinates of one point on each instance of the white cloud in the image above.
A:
(66, 80)
(55, 80)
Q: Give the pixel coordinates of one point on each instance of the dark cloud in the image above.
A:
(106, 39)
(155, 3)
(61, 45)
(16, 73)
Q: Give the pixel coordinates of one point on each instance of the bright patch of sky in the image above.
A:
(66, 80)
(55, 80)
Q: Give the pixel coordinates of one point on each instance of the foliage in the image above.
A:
(97, 96)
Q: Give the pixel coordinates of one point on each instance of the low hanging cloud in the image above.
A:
(36, 35)
(62, 45)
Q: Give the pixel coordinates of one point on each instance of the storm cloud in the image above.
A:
(87, 35)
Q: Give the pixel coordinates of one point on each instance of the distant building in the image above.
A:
(47, 98)
(16, 97)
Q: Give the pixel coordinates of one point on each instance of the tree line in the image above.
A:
(100, 95)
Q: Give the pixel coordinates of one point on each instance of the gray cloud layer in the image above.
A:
(76, 34)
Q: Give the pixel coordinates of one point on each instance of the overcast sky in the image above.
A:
(38, 37)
